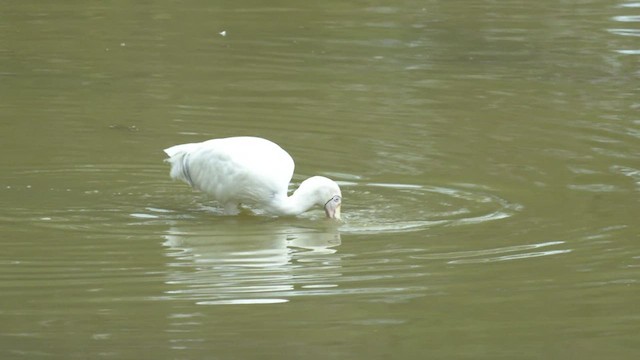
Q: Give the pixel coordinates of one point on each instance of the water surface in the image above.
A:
(488, 154)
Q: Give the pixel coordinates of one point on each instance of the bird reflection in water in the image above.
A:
(250, 266)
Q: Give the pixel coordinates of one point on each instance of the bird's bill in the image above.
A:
(332, 211)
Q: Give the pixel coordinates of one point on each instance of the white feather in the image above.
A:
(247, 170)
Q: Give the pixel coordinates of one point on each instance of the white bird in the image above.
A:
(251, 170)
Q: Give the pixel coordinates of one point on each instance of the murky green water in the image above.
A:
(489, 154)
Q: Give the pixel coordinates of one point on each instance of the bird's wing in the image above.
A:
(242, 169)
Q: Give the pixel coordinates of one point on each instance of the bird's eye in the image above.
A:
(336, 199)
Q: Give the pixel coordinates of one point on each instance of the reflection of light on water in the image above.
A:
(511, 257)
(273, 264)
(634, 174)
(627, 19)
(249, 267)
(629, 52)
(485, 255)
(625, 32)
(243, 302)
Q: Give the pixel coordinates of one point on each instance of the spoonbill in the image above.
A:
(251, 170)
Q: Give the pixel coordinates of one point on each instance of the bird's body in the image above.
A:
(250, 170)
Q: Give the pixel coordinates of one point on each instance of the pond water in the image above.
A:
(488, 152)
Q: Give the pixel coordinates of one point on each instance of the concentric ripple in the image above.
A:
(94, 198)
(385, 207)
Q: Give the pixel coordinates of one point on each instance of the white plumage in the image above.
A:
(250, 170)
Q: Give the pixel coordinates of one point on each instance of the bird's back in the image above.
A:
(237, 169)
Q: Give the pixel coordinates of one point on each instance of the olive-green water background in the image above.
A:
(488, 152)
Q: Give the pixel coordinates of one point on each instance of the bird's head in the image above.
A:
(326, 193)
(332, 207)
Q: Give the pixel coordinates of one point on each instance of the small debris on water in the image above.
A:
(223, 33)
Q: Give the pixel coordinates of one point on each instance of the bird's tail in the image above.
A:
(179, 160)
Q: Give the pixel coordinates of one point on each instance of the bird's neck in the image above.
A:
(300, 201)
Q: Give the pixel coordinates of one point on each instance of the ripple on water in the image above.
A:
(386, 207)
(629, 32)
(283, 259)
(98, 198)
(88, 198)
(277, 261)
(508, 253)
(248, 260)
